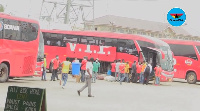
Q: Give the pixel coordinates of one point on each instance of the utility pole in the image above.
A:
(67, 13)
(70, 12)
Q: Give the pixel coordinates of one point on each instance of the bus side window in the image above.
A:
(183, 50)
(83, 40)
(46, 38)
(9, 33)
(32, 31)
(101, 41)
(132, 48)
(67, 38)
(29, 31)
(90, 41)
(126, 46)
(110, 42)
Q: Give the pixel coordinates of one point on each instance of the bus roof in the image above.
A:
(7, 16)
(183, 42)
(109, 35)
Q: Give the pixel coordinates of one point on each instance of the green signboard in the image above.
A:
(25, 99)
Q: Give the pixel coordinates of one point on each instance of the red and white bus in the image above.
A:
(108, 47)
(186, 58)
(19, 39)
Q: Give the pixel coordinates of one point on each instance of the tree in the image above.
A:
(1, 8)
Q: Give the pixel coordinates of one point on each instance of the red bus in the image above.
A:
(40, 57)
(186, 58)
(108, 47)
(19, 37)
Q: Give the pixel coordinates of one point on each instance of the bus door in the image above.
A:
(151, 56)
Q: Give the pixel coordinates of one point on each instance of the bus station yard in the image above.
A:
(111, 96)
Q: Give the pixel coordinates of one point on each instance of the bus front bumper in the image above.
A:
(166, 76)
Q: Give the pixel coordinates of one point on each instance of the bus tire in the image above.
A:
(4, 73)
(191, 78)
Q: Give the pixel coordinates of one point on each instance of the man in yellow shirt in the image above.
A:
(144, 65)
(66, 66)
(127, 71)
(44, 69)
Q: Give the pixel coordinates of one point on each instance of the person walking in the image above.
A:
(142, 72)
(44, 69)
(66, 66)
(113, 65)
(83, 69)
(122, 72)
(133, 72)
(56, 63)
(158, 71)
(127, 71)
(96, 66)
(89, 67)
(117, 73)
(147, 72)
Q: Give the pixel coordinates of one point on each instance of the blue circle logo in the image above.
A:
(1, 26)
(176, 17)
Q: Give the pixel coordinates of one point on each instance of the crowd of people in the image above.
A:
(90, 67)
(139, 71)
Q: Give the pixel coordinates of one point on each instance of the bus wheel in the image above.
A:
(3, 72)
(191, 78)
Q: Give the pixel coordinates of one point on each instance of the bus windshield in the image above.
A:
(166, 62)
(40, 55)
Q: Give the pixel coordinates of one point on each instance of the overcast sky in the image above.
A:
(152, 10)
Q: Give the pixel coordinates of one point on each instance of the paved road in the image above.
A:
(111, 96)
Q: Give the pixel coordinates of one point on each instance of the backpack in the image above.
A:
(147, 70)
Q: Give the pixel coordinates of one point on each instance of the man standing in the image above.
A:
(133, 71)
(56, 64)
(96, 66)
(89, 67)
(66, 66)
(117, 70)
(138, 71)
(142, 72)
(122, 71)
(147, 73)
(158, 71)
(83, 68)
(127, 72)
(113, 65)
(44, 69)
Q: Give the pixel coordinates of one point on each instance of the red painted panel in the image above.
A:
(107, 54)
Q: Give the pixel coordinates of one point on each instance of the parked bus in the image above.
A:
(40, 57)
(186, 58)
(108, 47)
(19, 37)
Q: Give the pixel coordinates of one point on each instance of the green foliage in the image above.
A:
(1, 8)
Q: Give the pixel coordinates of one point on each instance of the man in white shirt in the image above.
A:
(88, 76)
(147, 73)
(117, 72)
